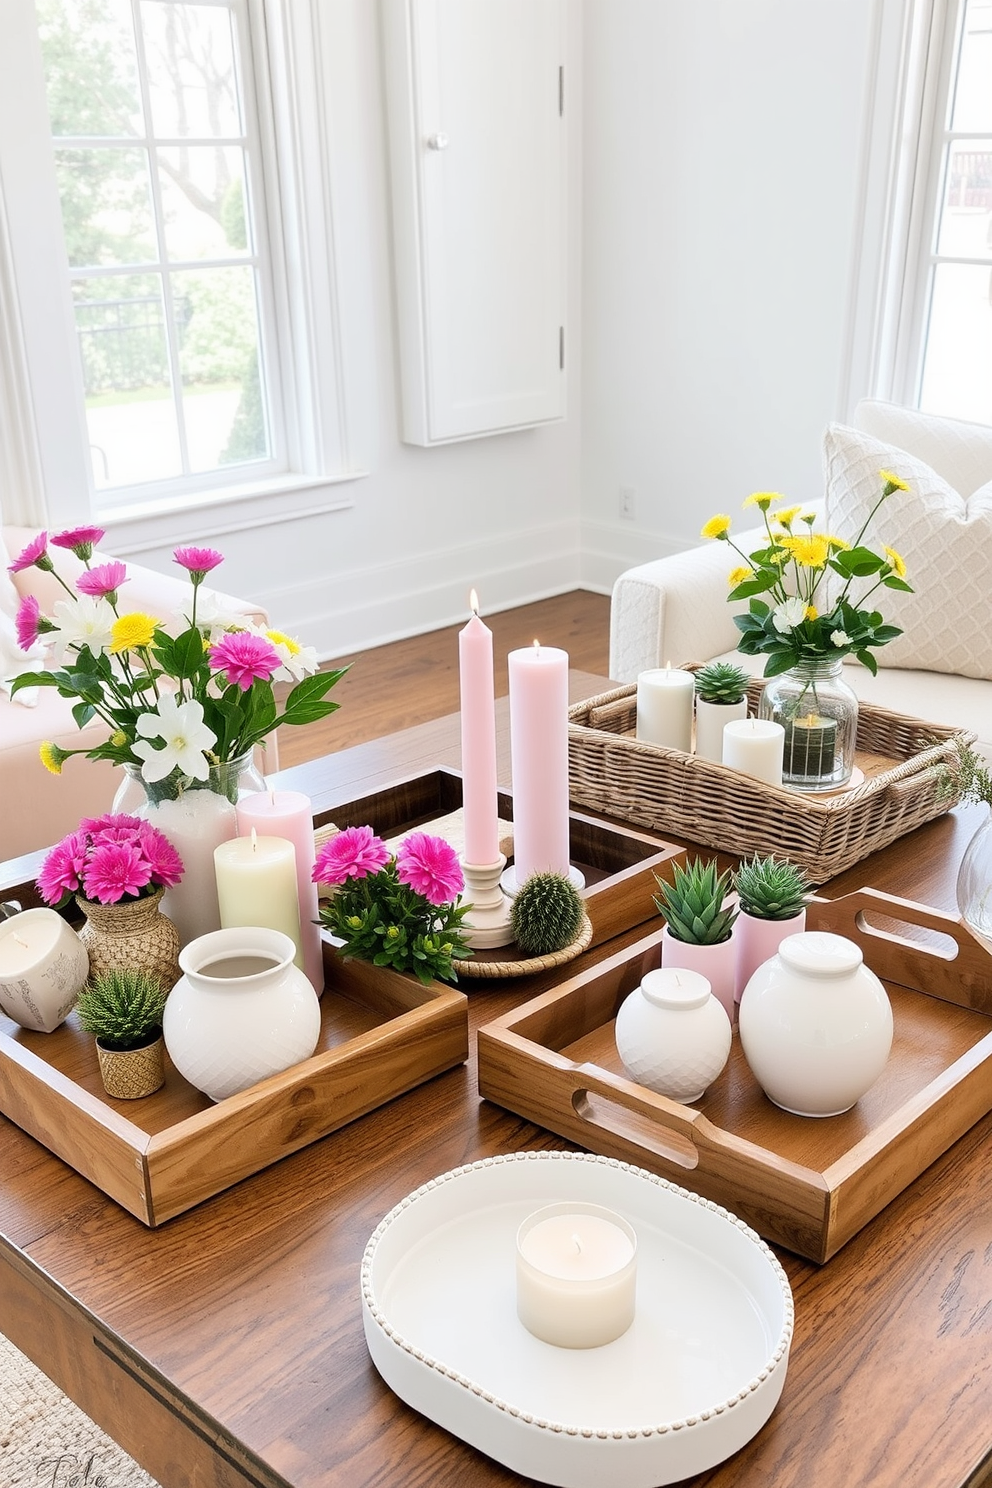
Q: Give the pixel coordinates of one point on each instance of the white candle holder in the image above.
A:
(488, 922)
(510, 884)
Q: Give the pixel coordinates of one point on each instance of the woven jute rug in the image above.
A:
(47, 1442)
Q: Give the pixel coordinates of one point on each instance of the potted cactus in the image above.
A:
(547, 914)
(773, 894)
(721, 696)
(699, 925)
(123, 1009)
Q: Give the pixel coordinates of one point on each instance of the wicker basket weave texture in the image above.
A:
(668, 791)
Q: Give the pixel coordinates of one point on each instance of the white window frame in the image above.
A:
(299, 49)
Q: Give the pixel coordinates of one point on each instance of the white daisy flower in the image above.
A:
(297, 661)
(185, 734)
(85, 621)
(788, 614)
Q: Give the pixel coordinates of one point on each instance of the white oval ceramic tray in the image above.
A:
(695, 1377)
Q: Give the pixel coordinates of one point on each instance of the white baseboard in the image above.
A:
(608, 549)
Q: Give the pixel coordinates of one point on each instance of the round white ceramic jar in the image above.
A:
(815, 1025)
(673, 1035)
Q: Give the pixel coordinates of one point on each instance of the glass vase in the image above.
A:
(974, 887)
(819, 713)
(196, 817)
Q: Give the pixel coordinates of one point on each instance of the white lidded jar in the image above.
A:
(673, 1035)
(815, 1025)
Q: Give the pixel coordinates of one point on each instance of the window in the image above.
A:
(156, 161)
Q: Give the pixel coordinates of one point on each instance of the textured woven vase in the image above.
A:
(133, 934)
(129, 1074)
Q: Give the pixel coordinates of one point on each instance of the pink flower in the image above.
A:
(113, 870)
(199, 561)
(353, 853)
(80, 540)
(35, 555)
(166, 864)
(61, 872)
(244, 657)
(102, 582)
(26, 622)
(96, 824)
(429, 866)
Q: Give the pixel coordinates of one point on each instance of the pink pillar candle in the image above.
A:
(539, 759)
(478, 717)
(289, 814)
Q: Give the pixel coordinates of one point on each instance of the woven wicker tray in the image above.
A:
(613, 772)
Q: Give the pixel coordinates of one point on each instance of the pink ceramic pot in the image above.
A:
(715, 962)
(757, 941)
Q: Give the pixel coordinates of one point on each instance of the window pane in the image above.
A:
(90, 67)
(966, 214)
(130, 411)
(203, 199)
(219, 356)
(957, 372)
(973, 93)
(106, 206)
(192, 80)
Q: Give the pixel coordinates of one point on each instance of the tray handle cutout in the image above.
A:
(610, 1115)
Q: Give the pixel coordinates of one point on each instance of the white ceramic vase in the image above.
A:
(715, 962)
(815, 1025)
(241, 1011)
(673, 1035)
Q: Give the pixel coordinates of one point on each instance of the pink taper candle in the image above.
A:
(475, 672)
(289, 814)
(539, 759)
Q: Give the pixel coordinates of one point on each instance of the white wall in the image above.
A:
(723, 143)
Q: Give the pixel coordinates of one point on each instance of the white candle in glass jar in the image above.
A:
(576, 1275)
(256, 885)
(664, 707)
(43, 966)
(755, 747)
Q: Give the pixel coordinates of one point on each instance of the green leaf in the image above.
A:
(82, 713)
(894, 582)
(779, 662)
(760, 584)
(305, 705)
(33, 679)
(866, 659)
(188, 655)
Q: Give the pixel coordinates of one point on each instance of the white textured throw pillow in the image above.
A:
(944, 535)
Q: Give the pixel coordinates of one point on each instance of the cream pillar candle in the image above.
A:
(43, 966)
(755, 746)
(289, 814)
(256, 885)
(539, 760)
(664, 707)
(576, 1275)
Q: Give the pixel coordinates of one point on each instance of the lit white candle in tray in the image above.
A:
(664, 707)
(576, 1275)
(256, 885)
(754, 746)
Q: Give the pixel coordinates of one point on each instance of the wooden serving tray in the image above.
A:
(807, 1184)
(620, 863)
(381, 1034)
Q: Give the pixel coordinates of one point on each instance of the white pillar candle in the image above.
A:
(256, 885)
(576, 1275)
(664, 707)
(43, 966)
(196, 823)
(289, 814)
(711, 720)
(755, 746)
(539, 759)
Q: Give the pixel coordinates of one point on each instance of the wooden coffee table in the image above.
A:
(227, 1348)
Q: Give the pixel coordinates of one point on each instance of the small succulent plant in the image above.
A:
(122, 1008)
(692, 903)
(771, 888)
(547, 914)
(721, 682)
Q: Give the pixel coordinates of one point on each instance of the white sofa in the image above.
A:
(675, 609)
(37, 808)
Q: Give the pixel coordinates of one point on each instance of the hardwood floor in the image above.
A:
(411, 681)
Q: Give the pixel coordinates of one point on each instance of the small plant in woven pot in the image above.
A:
(123, 1009)
(692, 903)
(547, 914)
(771, 888)
(721, 682)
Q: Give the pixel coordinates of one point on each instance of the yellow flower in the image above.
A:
(278, 639)
(811, 552)
(897, 561)
(787, 515)
(53, 757)
(118, 739)
(892, 482)
(132, 632)
(717, 526)
(763, 499)
(838, 544)
(812, 613)
(780, 554)
(738, 575)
